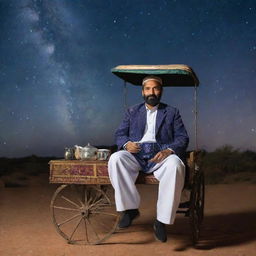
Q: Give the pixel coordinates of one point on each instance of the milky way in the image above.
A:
(57, 89)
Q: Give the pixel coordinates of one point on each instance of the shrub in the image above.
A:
(226, 161)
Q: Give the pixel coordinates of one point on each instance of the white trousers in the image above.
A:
(123, 171)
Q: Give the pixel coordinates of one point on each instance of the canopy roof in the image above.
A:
(172, 75)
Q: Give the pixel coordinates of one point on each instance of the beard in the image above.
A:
(152, 99)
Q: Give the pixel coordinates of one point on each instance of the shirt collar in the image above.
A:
(152, 109)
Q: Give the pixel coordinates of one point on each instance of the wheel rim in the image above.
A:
(84, 213)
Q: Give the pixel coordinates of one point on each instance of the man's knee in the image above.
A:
(174, 165)
(174, 161)
(117, 156)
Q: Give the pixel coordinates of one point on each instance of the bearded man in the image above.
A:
(151, 138)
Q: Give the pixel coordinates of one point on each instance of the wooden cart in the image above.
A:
(78, 205)
(83, 209)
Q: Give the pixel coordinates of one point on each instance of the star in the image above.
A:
(57, 57)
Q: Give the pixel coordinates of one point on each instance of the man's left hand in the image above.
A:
(161, 155)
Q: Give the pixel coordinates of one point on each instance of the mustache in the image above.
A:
(152, 96)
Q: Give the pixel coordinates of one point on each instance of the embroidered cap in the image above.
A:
(151, 77)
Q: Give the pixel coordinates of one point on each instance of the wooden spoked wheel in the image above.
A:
(196, 210)
(84, 214)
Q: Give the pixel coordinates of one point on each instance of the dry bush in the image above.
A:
(225, 162)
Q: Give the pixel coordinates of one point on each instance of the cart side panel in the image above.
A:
(78, 172)
(96, 172)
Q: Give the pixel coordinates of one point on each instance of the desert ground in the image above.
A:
(229, 227)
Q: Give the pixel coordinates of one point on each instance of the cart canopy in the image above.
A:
(171, 75)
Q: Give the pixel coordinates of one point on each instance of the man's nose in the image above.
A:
(152, 91)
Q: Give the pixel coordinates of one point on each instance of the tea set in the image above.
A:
(88, 152)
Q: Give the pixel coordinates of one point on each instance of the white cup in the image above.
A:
(103, 154)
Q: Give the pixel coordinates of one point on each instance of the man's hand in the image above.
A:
(161, 155)
(132, 147)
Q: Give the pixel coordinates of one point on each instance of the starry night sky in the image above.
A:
(57, 89)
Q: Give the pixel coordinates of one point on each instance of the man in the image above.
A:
(151, 138)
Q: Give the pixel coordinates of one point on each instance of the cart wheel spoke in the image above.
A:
(83, 194)
(88, 196)
(95, 204)
(75, 228)
(104, 213)
(86, 231)
(92, 228)
(68, 200)
(103, 224)
(103, 206)
(79, 195)
(68, 220)
(96, 197)
(89, 201)
(65, 208)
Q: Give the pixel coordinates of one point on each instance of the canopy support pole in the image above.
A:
(195, 116)
(125, 96)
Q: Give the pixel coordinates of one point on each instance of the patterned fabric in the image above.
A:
(147, 152)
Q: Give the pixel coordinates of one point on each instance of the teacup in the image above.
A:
(103, 154)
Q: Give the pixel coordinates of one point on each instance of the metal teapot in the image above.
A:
(88, 152)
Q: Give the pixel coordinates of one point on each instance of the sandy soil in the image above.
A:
(229, 226)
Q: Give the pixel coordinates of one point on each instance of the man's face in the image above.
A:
(152, 92)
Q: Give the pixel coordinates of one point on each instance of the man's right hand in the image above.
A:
(132, 147)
